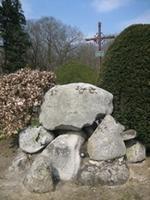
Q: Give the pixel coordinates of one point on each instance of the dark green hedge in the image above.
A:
(75, 72)
(125, 73)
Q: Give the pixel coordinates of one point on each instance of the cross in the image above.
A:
(99, 38)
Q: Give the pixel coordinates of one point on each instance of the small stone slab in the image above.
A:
(129, 134)
(20, 164)
(136, 151)
(33, 139)
(39, 177)
(111, 172)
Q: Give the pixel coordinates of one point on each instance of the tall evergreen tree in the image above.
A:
(12, 32)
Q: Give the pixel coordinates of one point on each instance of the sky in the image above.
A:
(115, 15)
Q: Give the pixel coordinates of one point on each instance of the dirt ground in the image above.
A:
(137, 188)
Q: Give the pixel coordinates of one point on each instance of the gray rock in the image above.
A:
(33, 139)
(39, 177)
(74, 105)
(21, 163)
(112, 172)
(129, 134)
(135, 151)
(18, 168)
(106, 142)
(64, 155)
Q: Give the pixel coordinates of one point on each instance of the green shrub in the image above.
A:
(126, 74)
(34, 122)
(75, 72)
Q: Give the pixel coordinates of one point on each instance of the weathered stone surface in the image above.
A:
(135, 151)
(21, 163)
(39, 177)
(31, 140)
(106, 142)
(74, 105)
(112, 172)
(129, 134)
(64, 155)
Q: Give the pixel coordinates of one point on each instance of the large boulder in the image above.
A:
(64, 155)
(135, 151)
(106, 142)
(112, 172)
(39, 177)
(33, 139)
(74, 105)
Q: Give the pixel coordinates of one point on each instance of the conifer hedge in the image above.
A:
(125, 73)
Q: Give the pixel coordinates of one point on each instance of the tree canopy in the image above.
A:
(52, 42)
